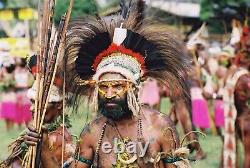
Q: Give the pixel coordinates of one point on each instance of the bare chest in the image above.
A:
(121, 147)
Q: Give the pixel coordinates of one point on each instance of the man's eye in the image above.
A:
(119, 87)
(103, 87)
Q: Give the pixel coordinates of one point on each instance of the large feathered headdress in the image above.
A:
(124, 43)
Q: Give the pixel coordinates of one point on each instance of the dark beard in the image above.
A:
(118, 111)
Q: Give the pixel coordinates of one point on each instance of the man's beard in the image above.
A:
(115, 109)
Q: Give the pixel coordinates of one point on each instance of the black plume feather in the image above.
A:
(138, 43)
(140, 10)
(124, 8)
(88, 53)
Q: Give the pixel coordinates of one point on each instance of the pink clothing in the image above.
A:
(200, 114)
(150, 93)
(23, 104)
(15, 107)
(9, 111)
(23, 107)
(219, 113)
(8, 106)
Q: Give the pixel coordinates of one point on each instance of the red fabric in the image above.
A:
(58, 82)
(245, 36)
(34, 70)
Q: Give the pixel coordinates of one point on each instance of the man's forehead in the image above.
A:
(111, 76)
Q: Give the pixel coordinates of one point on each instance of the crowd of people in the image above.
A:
(15, 80)
(218, 84)
(212, 61)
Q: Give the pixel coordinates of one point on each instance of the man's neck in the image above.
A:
(126, 121)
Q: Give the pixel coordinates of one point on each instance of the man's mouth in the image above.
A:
(110, 105)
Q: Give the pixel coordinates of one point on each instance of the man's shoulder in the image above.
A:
(162, 124)
(98, 121)
(157, 118)
(94, 126)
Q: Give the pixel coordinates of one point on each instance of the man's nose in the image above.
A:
(110, 93)
(32, 108)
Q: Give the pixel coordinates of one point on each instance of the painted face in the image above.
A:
(112, 97)
(54, 108)
(111, 89)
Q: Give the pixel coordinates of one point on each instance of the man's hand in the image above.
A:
(32, 137)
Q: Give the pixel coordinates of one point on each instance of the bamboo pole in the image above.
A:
(63, 133)
(64, 77)
(51, 45)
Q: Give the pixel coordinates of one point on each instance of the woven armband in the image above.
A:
(170, 160)
(84, 160)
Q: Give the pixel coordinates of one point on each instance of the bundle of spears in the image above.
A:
(51, 43)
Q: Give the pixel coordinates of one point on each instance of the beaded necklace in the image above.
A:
(139, 139)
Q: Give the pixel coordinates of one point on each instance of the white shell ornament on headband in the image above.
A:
(119, 35)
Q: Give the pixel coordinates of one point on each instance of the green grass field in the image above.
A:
(211, 144)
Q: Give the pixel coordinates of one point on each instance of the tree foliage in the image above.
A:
(80, 8)
(221, 8)
(219, 13)
(19, 3)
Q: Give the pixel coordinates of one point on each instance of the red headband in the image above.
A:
(113, 48)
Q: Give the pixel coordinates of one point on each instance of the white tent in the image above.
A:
(179, 8)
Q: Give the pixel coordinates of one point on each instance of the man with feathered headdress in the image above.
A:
(107, 58)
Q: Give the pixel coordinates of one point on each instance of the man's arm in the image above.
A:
(31, 138)
(169, 139)
(47, 156)
(86, 151)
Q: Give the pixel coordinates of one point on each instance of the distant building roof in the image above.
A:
(179, 8)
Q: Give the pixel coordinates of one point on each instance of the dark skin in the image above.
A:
(53, 111)
(181, 114)
(242, 97)
(242, 100)
(32, 137)
(153, 125)
(155, 130)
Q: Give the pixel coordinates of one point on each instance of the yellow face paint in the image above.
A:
(118, 88)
